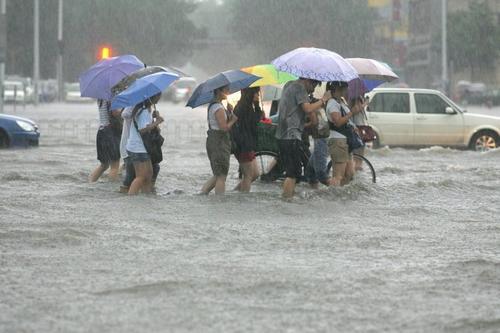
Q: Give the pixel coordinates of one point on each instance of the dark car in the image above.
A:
(17, 132)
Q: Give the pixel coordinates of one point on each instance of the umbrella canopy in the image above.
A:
(371, 69)
(96, 82)
(356, 88)
(316, 64)
(372, 73)
(269, 75)
(143, 88)
(129, 79)
(234, 79)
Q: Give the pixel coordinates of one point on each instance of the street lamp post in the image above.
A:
(444, 52)
(3, 48)
(60, 46)
(36, 49)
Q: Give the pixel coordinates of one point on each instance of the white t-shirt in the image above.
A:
(134, 142)
(212, 120)
(334, 107)
(127, 121)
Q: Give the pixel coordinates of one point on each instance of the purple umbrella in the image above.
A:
(316, 64)
(372, 73)
(96, 82)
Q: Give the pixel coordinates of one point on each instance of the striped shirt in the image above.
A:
(104, 110)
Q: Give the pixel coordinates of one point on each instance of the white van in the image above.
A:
(424, 117)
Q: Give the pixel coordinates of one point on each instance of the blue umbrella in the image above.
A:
(142, 89)
(96, 82)
(234, 79)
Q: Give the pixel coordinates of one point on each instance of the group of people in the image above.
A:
(121, 137)
(330, 120)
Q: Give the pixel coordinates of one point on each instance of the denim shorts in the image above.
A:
(138, 157)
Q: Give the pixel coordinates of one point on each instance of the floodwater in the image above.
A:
(417, 252)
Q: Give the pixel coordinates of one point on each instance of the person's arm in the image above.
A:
(311, 107)
(127, 113)
(340, 120)
(224, 124)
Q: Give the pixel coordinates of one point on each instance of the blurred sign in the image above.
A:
(378, 3)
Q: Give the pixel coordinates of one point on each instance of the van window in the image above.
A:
(390, 102)
(430, 103)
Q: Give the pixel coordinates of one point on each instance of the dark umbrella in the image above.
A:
(234, 79)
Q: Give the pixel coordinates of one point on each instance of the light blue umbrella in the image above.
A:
(234, 79)
(317, 64)
(96, 82)
(142, 89)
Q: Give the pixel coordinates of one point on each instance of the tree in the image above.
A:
(473, 38)
(275, 27)
(157, 31)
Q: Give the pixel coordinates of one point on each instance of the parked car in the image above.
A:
(181, 90)
(423, 117)
(17, 131)
(72, 93)
(13, 91)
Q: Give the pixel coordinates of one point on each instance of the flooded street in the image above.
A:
(419, 251)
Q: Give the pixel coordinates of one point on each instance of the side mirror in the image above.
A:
(449, 110)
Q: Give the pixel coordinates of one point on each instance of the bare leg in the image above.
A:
(220, 184)
(250, 174)
(114, 170)
(338, 173)
(349, 172)
(143, 175)
(94, 176)
(358, 165)
(289, 187)
(209, 185)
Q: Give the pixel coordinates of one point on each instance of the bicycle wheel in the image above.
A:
(267, 163)
(367, 170)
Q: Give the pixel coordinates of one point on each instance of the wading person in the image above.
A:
(107, 141)
(316, 170)
(128, 166)
(339, 116)
(218, 143)
(244, 134)
(141, 123)
(357, 106)
(292, 109)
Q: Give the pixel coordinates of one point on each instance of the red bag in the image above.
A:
(367, 133)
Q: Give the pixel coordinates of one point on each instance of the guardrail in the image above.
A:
(83, 131)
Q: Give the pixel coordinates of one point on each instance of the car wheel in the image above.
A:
(4, 139)
(484, 141)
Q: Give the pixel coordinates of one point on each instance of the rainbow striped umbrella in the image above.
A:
(269, 75)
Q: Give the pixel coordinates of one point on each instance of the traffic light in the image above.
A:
(105, 52)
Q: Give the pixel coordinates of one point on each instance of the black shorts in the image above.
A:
(108, 145)
(291, 152)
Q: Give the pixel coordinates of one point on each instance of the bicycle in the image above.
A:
(268, 157)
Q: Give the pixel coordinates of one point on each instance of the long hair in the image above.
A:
(247, 95)
(246, 104)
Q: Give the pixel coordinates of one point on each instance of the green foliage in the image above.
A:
(275, 26)
(157, 31)
(473, 38)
